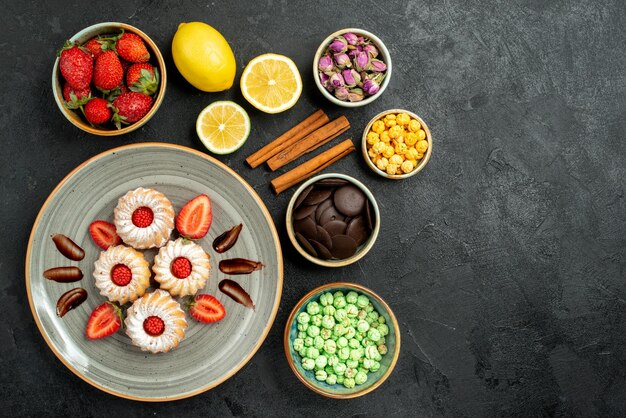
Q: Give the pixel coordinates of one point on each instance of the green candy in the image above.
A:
(382, 341)
(328, 322)
(369, 308)
(298, 343)
(321, 375)
(367, 363)
(381, 319)
(321, 362)
(344, 353)
(331, 379)
(342, 342)
(329, 369)
(339, 330)
(356, 354)
(351, 310)
(338, 294)
(382, 349)
(352, 297)
(302, 327)
(340, 314)
(316, 320)
(301, 335)
(346, 322)
(312, 353)
(353, 322)
(375, 367)
(362, 301)
(361, 315)
(329, 310)
(373, 316)
(326, 299)
(349, 382)
(313, 331)
(339, 302)
(308, 341)
(360, 378)
(366, 341)
(350, 333)
(352, 364)
(374, 335)
(330, 346)
(313, 308)
(302, 351)
(308, 364)
(350, 372)
(318, 342)
(360, 336)
(340, 380)
(339, 368)
(362, 326)
(383, 329)
(354, 343)
(333, 359)
(303, 318)
(326, 333)
(371, 352)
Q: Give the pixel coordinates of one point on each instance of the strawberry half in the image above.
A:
(194, 219)
(104, 234)
(206, 308)
(105, 320)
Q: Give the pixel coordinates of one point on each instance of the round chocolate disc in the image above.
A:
(306, 245)
(317, 196)
(330, 214)
(358, 230)
(323, 237)
(343, 246)
(368, 215)
(302, 196)
(349, 200)
(331, 182)
(335, 228)
(321, 208)
(322, 251)
(303, 211)
(306, 227)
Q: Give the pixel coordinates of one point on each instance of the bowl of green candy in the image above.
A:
(342, 340)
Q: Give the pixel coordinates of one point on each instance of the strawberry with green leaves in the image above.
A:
(75, 98)
(108, 72)
(142, 78)
(76, 66)
(130, 107)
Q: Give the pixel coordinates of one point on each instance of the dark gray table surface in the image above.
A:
(504, 260)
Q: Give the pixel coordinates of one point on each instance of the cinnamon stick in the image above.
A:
(293, 135)
(312, 141)
(314, 165)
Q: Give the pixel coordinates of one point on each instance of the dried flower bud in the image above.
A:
(341, 93)
(360, 40)
(325, 63)
(370, 87)
(351, 38)
(351, 77)
(324, 79)
(362, 61)
(377, 77)
(336, 80)
(371, 49)
(339, 45)
(343, 60)
(355, 95)
(378, 66)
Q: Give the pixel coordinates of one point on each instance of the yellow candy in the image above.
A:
(372, 153)
(420, 156)
(388, 151)
(414, 125)
(396, 159)
(406, 167)
(421, 134)
(390, 123)
(400, 148)
(411, 154)
(379, 147)
(382, 163)
(403, 119)
(378, 126)
(411, 138)
(391, 169)
(390, 116)
(421, 146)
(414, 162)
(372, 138)
(395, 131)
(384, 136)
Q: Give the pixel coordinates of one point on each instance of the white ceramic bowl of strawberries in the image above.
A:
(114, 83)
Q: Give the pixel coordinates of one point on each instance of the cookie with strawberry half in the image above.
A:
(122, 274)
(181, 267)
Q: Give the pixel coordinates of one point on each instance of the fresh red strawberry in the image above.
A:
(94, 46)
(130, 107)
(181, 267)
(194, 219)
(74, 98)
(108, 72)
(206, 308)
(97, 111)
(121, 274)
(131, 47)
(142, 217)
(76, 66)
(105, 320)
(153, 325)
(142, 78)
(104, 234)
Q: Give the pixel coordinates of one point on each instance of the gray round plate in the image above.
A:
(210, 353)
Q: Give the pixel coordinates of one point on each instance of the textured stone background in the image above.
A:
(504, 260)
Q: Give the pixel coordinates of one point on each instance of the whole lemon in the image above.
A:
(203, 57)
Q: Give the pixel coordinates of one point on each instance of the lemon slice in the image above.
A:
(271, 83)
(223, 127)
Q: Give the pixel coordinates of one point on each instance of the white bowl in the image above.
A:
(386, 58)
